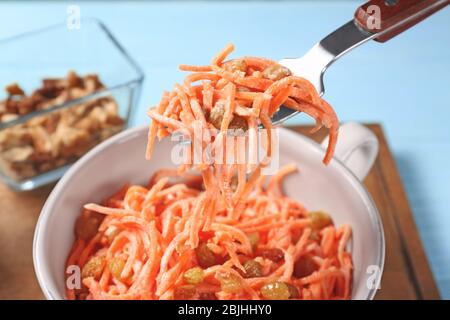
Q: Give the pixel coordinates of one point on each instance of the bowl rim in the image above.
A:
(131, 133)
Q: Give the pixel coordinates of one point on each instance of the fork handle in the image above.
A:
(389, 18)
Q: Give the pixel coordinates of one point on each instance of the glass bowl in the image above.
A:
(76, 88)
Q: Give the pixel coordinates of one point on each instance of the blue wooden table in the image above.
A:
(403, 84)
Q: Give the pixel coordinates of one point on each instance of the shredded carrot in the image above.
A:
(217, 216)
(221, 56)
(185, 67)
(142, 241)
(154, 126)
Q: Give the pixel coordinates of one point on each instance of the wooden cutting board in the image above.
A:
(407, 274)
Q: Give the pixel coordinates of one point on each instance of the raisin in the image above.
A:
(207, 296)
(253, 269)
(93, 268)
(184, 292)
(230, 283)
(276, 72)
(238, 122)
(193, 275)
(275, 291)
(216, 114)
(205, 257)
(319, 219)
(216, 117)
(236, 65)
(293, 291)
(304, 266)
(116, 265)
(274, 254)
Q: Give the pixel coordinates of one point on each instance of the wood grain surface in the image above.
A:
(406, 274)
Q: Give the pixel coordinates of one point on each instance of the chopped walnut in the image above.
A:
(276, 72)
(216, 117)
(18, 154)
(217, 113)
(14, 90)
(49, 141)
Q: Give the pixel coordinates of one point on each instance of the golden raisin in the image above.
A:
(216, 117)
(319, 219)
(216, 114)
(276, 72)
(275, 291)
(236, 65)
(193, 275)
(116, 265)
(93, 268)
(230, 283)
(253, 269)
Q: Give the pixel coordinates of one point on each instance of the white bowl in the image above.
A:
(334, 189)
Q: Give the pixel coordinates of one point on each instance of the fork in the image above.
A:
(380, 20)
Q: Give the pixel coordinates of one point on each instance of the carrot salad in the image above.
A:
(216, 231)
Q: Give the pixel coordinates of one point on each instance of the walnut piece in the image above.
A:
(49, 141)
